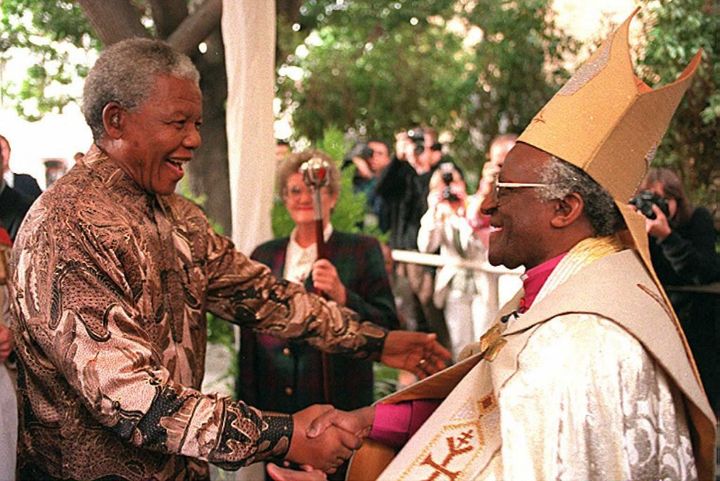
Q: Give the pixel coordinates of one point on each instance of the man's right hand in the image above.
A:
(359, 421)
(328, 450)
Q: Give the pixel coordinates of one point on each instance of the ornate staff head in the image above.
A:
(315, 173)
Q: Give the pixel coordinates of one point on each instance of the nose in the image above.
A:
(305, 194)
(192, 139)
(489, 205)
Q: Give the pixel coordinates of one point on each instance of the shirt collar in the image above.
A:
(326, 235)
(534, 279)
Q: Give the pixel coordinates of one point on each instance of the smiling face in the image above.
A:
(519, 218)
(158, 139)
(298, 200)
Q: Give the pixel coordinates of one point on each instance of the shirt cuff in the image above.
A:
(274, 440)
(391, 424)
(394, 424)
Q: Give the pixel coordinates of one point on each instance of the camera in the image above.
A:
(645, 200)
(361, 150)
(447, 169)
(418, 138)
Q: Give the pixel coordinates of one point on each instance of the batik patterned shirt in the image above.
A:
(110, 288)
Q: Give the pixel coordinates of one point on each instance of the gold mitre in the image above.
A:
(608, 122)
(605, 120)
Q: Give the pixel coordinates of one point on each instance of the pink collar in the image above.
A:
(535, 278)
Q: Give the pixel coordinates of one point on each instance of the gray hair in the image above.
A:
(291, 165)
(125, 73)
(564, 178)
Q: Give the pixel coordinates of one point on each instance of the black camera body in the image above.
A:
(418, 138)
(362, 150)
(646, 199)
(447, 177)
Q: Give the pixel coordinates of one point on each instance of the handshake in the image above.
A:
(323, 439)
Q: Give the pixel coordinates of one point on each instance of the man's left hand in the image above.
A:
(417, 352)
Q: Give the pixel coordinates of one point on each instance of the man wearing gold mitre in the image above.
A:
(587, 374)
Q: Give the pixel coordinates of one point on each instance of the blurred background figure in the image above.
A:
(13, 208)
(445, 227)
(282, 150)
(8, 400)
(499, 148)
(25, 184)
(403, 187)
(370, 160)
(682, 246)
(54, 169)
(283, 376)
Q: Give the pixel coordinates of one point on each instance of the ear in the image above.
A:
(113, 117)
(567, 210)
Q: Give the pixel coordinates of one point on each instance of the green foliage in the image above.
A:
(676, 30)
(378, 66)
(57, 36)
(350, 208)
(517, 67)
(386, 380)
(369, 70)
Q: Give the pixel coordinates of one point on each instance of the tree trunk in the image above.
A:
(209, 171)
(196, 28)
(167, 15)
(113, 20)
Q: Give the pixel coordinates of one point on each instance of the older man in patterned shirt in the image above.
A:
(112, 276)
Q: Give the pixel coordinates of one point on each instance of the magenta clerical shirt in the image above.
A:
(394, 424)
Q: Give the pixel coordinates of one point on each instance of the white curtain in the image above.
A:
(248, 28)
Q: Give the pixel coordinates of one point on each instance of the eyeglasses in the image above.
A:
(499, 186)
(295, 192)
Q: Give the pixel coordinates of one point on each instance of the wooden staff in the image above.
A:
(315, 176)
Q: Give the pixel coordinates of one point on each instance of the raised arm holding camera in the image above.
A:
(682, 246)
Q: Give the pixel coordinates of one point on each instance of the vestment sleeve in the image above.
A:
(588, 402)
(78, 313)
(247, 293)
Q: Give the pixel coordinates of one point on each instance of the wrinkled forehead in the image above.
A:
(524, 163)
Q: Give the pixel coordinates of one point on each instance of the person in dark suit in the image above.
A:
(13, 207)
(282, 376)
(23, 183)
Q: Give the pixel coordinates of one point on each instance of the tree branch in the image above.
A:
(167, 15)
(196, 28)
(113, 20)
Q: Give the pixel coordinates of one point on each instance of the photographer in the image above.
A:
(445, 226)
(682, 247)
(403, 188)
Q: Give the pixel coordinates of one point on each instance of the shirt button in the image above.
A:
(288, 391)
(286, 351)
